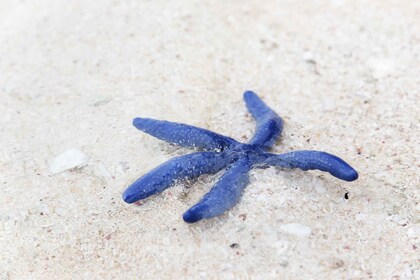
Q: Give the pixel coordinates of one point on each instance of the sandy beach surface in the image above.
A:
(344, 75)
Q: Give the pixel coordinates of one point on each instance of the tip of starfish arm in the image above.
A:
(343, 170)
(193, 215)
(137, 122)
(129, 197)
(249, 93)
(350, 175)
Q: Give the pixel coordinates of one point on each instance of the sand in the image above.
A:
(344, 75)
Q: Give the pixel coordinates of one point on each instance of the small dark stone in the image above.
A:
(234, 245)
(346, 195)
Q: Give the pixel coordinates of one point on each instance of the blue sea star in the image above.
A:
(219, 152)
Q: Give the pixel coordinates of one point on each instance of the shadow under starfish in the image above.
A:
(219, 152)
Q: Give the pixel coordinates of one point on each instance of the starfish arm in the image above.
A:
(310, 160)
(269, 124)
(183, 135)
(225, 194)
(183, 167)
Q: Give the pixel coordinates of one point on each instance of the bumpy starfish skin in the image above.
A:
(224, 152)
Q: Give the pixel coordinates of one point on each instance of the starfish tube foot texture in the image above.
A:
(184, 167)
(220, 152)
(225, 194)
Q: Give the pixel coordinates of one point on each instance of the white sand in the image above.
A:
(344, 75)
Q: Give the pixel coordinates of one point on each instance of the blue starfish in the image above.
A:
(219, 152)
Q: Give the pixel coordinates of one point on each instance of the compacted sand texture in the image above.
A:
(344, 75)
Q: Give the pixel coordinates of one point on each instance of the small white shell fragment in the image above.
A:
(296, 229)
(69, 159)
(381, 68)
(413, 231)
(309, 57)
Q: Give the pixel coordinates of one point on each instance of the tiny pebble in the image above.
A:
(296, 229)
(309, 57)
(319, 188)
